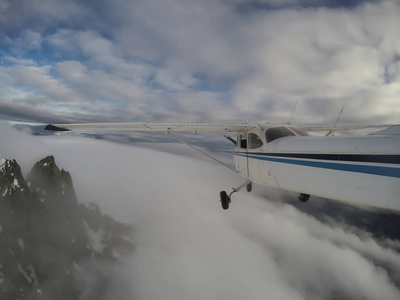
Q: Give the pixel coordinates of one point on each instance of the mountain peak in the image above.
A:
(49, 239)
(45, 173)
(12, 183)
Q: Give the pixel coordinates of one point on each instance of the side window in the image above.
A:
(242, 141)
(276, 133)
(254, 141)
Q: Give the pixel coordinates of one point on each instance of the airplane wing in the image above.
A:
(392, 130)
(340, 127)
(165, 127)
(216, 127)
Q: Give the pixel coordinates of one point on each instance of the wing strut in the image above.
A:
(198, 150)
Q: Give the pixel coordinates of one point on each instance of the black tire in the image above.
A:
(303, 197)
(249, 187)
(224, 200)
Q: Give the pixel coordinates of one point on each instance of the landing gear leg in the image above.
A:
(303, 197)
(225, 199)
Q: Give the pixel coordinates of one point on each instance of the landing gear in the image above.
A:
(303, 197)
(226, 199)
(249, 187)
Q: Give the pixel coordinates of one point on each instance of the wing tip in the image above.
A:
(51, 127)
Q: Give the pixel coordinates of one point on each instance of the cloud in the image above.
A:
(323, 56)
(152, 60)
(188, 247)
(28, 40)
(39, 15)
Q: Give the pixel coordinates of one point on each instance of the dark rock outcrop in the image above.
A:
(48, 240)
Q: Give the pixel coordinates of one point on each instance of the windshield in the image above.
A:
(299, 131)
(277, 132)
(254, 141)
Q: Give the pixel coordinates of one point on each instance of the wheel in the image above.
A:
(249, 187)
(225, 200)
(303, 197)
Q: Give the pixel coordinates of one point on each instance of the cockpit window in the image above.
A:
(254, 141)
(277, 132)
(242, 141)
(299, 131)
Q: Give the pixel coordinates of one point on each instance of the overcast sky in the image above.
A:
(176, 60)
(187, 247)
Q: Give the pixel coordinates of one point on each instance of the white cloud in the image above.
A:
(188, 247)
(29, 40)
(63, 40)
(142, 58)
(323, 54)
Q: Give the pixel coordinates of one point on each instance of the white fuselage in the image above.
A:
(363, 169)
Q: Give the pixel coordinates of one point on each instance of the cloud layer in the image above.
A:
(187, 247)
(199, 61)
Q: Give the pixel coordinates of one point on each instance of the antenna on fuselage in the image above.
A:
(294, 108)
(337, 120)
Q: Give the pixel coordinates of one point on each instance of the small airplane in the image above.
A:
(359, 169)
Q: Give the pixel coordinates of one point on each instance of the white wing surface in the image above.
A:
(166, 127)
(216, 127)
(393, 130)
(339, 127)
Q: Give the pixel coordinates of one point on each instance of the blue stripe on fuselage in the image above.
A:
(368, 158)
(349, 167)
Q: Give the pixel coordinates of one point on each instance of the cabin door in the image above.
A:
(242, 163)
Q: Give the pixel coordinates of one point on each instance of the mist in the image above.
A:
(187, 247)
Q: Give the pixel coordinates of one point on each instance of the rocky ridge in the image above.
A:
(51, 245)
